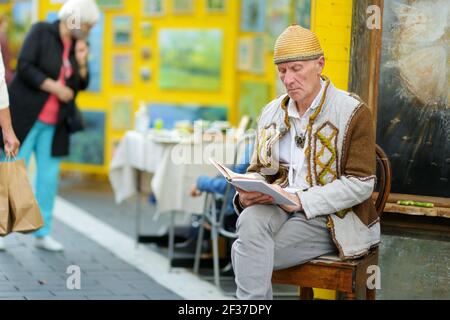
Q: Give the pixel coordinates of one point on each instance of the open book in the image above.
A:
(248, 183)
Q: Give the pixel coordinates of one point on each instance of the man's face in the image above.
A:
(301, 78)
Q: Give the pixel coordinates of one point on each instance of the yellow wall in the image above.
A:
(330, 19)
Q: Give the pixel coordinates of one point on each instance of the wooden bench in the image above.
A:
(329, 272)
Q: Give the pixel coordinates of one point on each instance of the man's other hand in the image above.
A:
(291, 196)
(248, 199)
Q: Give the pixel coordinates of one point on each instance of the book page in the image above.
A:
(228, 173)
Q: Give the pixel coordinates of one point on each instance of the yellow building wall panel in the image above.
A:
(332, 21)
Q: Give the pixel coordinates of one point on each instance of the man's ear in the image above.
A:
(321, 64)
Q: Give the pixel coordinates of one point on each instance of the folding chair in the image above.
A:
(216, 219)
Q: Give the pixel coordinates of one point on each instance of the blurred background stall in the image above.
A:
(209, 54)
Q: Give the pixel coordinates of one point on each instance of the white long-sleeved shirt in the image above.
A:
(4, 98)
(289, 153)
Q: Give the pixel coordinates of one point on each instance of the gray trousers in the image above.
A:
(271, 239)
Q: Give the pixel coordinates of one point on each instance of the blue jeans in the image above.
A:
(39, 140)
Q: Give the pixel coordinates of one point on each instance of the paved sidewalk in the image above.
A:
(30, 273)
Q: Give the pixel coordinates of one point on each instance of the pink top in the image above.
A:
(49, 113)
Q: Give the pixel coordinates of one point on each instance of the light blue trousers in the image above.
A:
(39, 141)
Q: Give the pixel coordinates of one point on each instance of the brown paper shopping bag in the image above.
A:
(4, 201)
(23, 208)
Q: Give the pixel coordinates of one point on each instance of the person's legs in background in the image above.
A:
(46, 186)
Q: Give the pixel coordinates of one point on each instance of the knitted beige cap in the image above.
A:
(297, 43)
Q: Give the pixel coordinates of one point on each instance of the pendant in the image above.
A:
(300, 141)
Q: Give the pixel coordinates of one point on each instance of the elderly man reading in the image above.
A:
(316, 144)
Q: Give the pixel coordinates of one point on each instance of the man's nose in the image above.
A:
(288, 78)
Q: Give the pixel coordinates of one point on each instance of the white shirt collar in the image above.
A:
(292, 108)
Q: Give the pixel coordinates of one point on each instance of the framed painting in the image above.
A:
(253, 97)
(245, 54)
(303, 13)
(153, 8)
(122, 114)
(146, 29)
(259, 55)
(20, 22)
(253, 14)
(96, 55)
(278, 14)
(122, 26)
(169, 114)
(88, 146)
(145, 73)
(216, 6)
(413, 119)
(123, 68)
(401, 70)
(110, 4)
(190, 59)
(183, 6)
(146, 53)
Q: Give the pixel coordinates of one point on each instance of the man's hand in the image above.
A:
(292, 197)
(194, 192)
(250, 198)
(11, 142)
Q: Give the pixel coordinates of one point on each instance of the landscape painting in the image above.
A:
(191, 59)
(88, 146)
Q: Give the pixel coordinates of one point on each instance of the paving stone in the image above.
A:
(77, 298)
(82, 292)
(16, 294)
(36, 295)
(125, 275)
(6, 287)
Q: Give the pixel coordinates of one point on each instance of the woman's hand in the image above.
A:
(248, 199)
(11, 142)
(64, 93)
(81, 53)
(293, 197)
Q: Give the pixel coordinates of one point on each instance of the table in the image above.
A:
(175, 165)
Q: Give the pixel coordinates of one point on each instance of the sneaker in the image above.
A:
(2, 244)
(49, 244)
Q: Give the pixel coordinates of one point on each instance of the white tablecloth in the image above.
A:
(175, 168)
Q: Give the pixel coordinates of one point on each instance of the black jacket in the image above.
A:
(41, 58)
